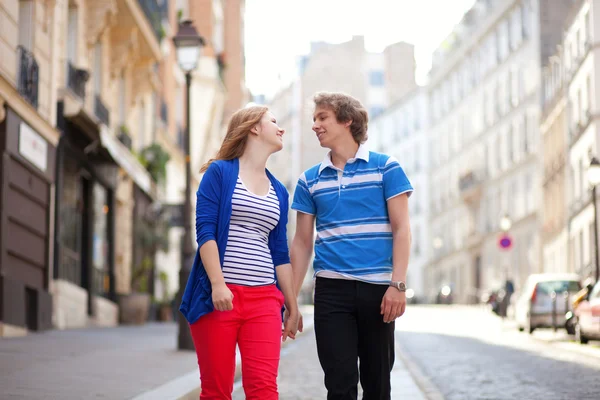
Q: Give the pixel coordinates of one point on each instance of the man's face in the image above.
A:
(327, 128)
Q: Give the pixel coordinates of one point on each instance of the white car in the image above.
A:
(543, 303)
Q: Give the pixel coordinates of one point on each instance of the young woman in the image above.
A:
(234, 293)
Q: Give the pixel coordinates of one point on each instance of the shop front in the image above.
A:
(87, 177)
(27, 170)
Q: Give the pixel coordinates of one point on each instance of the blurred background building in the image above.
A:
(92, 115)
(401, 131)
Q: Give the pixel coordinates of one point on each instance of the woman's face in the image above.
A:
(270, 133)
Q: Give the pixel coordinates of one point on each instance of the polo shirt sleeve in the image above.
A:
(303, 200)
(395, 181)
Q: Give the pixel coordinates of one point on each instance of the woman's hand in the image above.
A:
(222, 297)
(290, 324)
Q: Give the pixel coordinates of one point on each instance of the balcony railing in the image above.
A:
(101, 111)
(28, 76)
(156, 12)
(76, 80)
(123, 136)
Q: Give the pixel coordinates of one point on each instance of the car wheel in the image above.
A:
(579, 336)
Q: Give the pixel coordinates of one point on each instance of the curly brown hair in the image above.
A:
(346, 108)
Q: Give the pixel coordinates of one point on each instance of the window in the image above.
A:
(375, 111)
(528, 194)
(98, 68)
(26, 23)
(376, 78)
(498, 154)
(122, 101)
(588, 88)
(588, 28)
(72, 36)
(509, 144)
(525, 21)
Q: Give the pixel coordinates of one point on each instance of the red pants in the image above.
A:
(255, 325)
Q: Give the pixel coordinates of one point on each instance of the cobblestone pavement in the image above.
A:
(301, 376)
(468, 353)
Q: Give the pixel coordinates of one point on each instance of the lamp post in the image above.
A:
(593, 175)
(189, 45)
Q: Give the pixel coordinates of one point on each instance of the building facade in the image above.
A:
(579, 57)
(401, 131)
(553, 130)
(28, 143)
(484, 93)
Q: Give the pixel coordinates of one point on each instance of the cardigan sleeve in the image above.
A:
(208, 199)
(280, 253)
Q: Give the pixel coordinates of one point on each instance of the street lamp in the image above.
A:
(593, 175)
(505, 223)
(189, 45)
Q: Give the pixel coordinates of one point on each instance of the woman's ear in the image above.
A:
(255, 129)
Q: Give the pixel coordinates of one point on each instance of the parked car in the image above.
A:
(543, 303)
(587, 312)
(571, 318)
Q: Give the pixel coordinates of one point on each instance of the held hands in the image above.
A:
(393, 304)
(222, 298)
(291, 324)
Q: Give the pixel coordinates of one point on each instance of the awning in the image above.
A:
(126, 160)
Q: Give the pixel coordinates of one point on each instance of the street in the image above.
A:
(465, 353)
(468, 353)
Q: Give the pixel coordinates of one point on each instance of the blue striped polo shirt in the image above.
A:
(354, 235)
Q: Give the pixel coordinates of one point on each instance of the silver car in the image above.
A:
(545, 301)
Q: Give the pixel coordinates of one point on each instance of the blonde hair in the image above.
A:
(239, 127)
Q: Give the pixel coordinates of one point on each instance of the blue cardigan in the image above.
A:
(213, 213)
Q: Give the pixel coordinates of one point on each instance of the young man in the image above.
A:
(359, 201)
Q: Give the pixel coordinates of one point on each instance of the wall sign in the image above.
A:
(33, 146)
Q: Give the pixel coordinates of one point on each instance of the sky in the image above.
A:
(278, 31)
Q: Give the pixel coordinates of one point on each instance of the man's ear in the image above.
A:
(348, 123)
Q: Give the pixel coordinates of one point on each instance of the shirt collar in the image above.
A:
(362, 153)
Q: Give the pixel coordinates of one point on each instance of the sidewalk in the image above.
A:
(133, 363)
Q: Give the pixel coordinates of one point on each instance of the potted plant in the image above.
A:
(164, 306)
(154, 158)
(135, 307)
(151, 234)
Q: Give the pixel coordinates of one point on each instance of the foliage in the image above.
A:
(154, 158)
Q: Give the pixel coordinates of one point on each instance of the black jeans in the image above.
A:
(349, 327)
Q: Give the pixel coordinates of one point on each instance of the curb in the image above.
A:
(430, 391)
(187, 386)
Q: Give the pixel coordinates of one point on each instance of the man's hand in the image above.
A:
(222, 298)
(290, 324)
(393, 304)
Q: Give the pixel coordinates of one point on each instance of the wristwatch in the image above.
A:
(401, 286)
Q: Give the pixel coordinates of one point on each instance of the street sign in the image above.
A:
(505, 242)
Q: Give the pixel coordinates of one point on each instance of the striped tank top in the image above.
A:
(248, 259)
